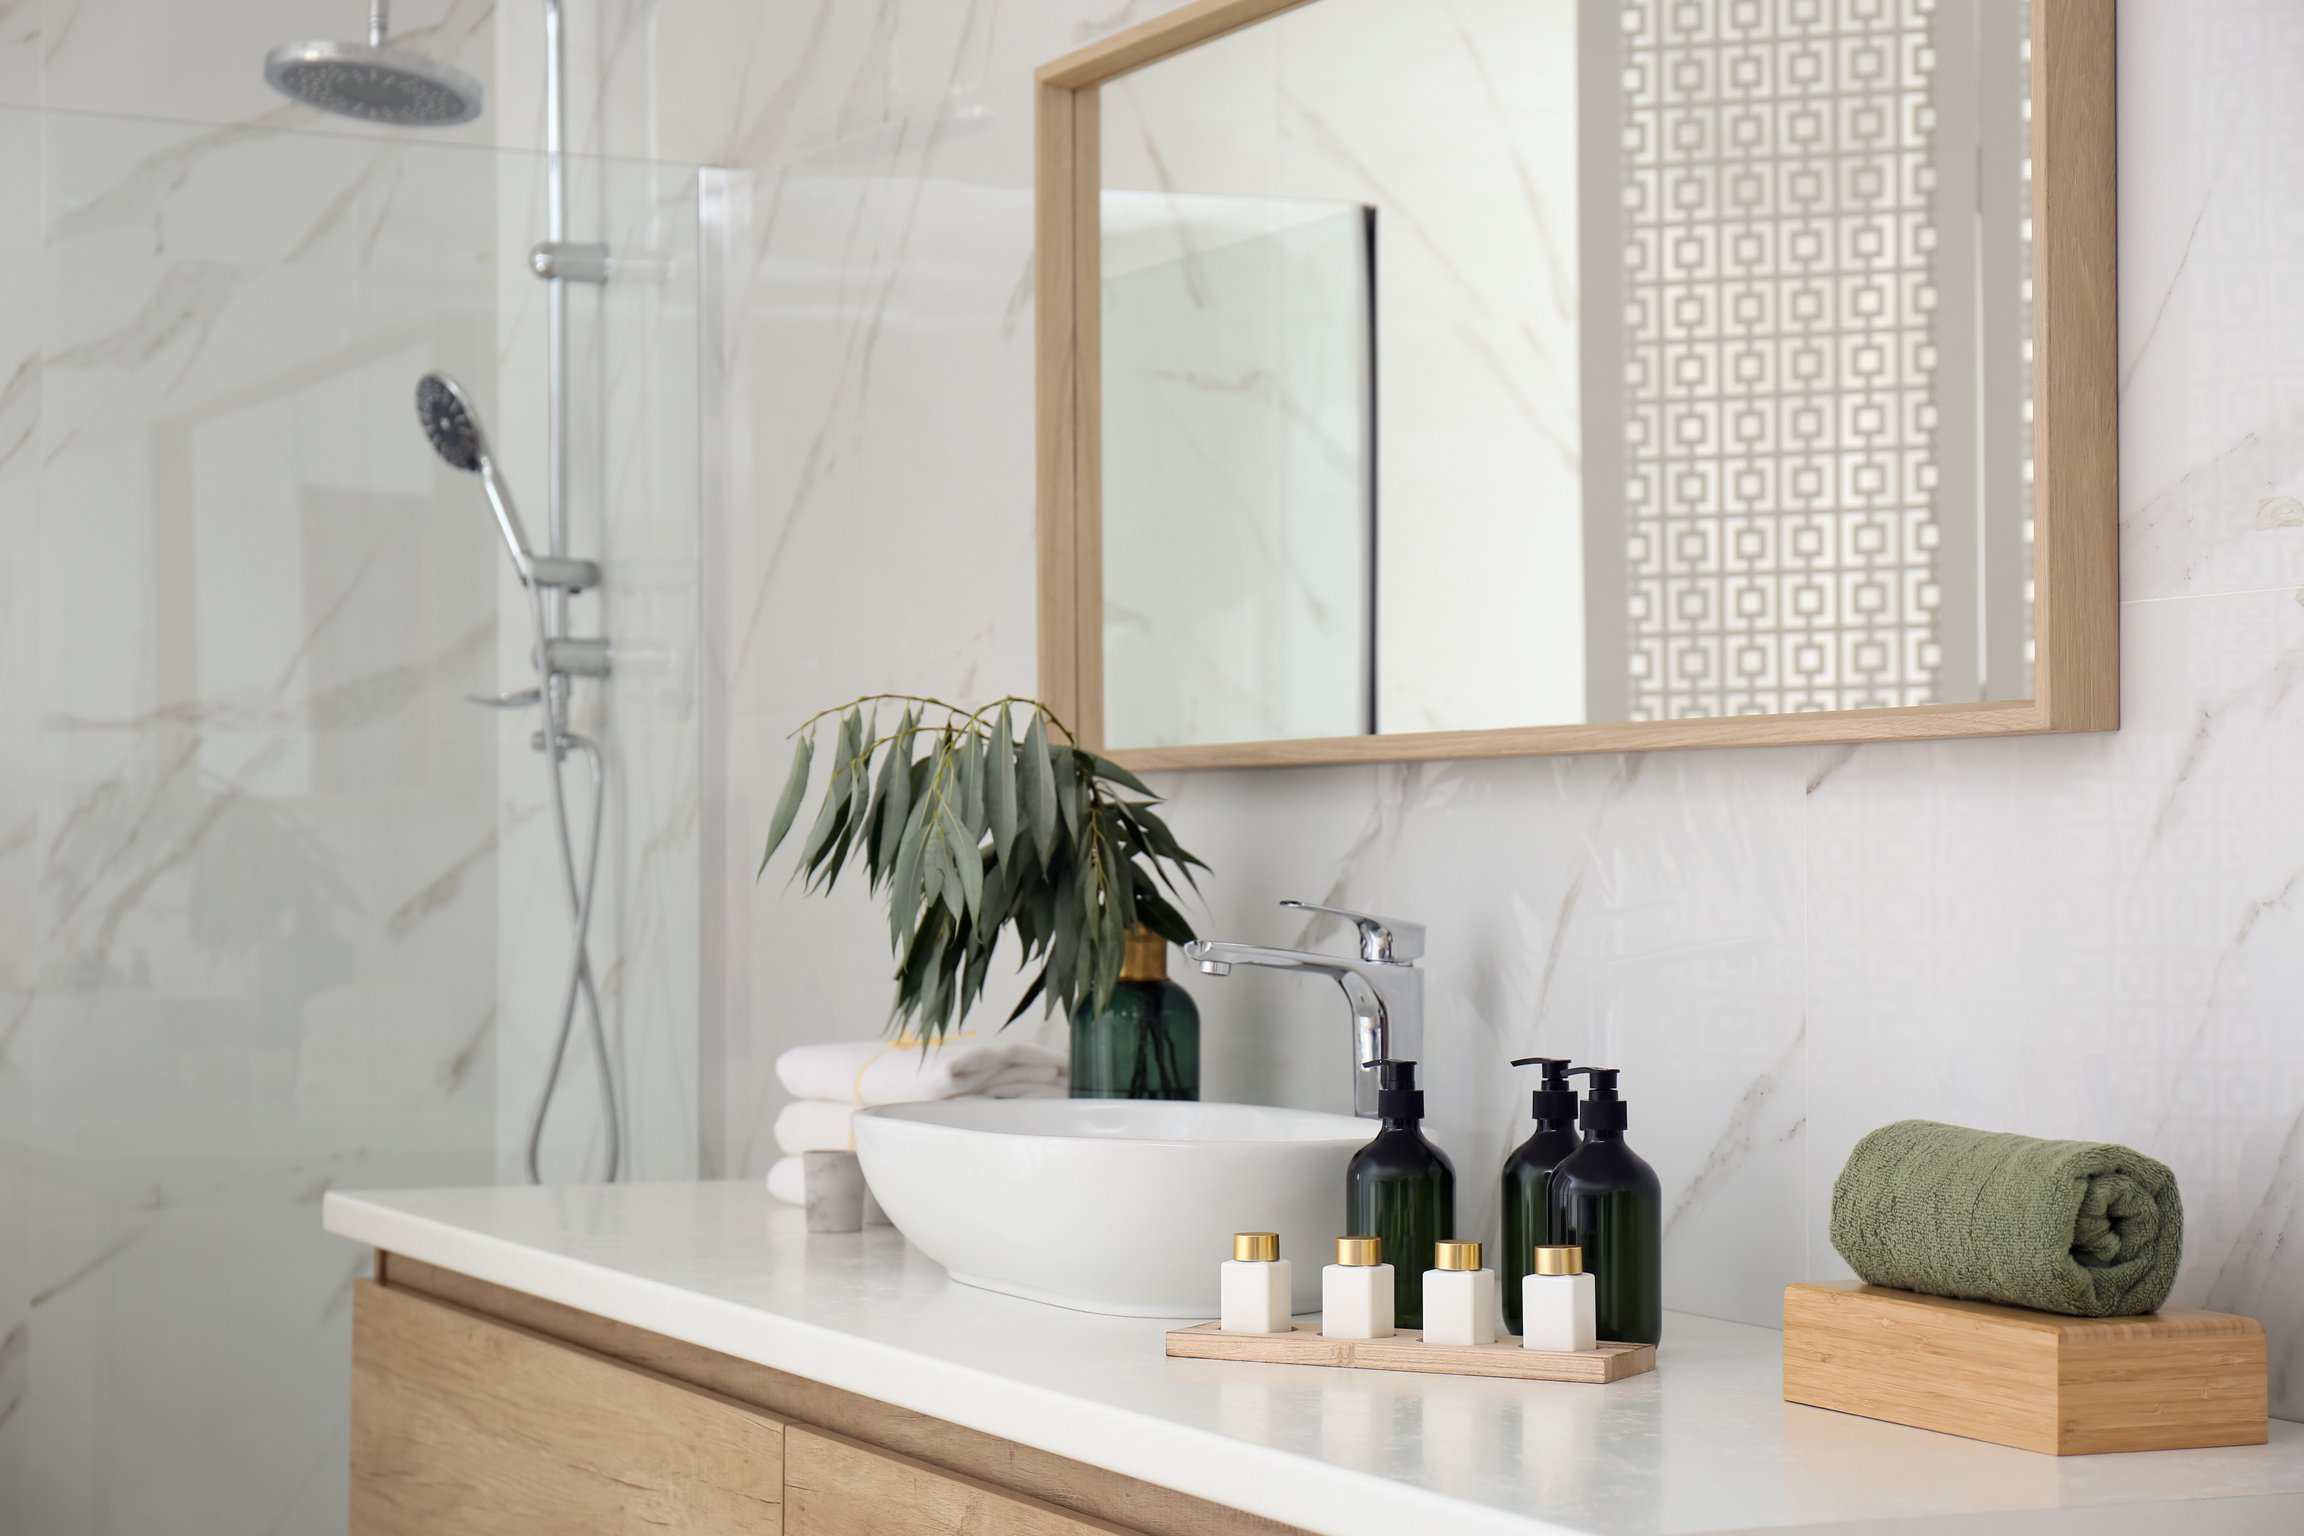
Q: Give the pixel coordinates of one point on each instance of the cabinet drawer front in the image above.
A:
(835, 1487)
(465, 1427)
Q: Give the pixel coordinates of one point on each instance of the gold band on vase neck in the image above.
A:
(1146, 956)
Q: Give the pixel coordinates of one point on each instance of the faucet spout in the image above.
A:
(1386, 998)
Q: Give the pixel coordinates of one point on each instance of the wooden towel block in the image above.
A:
(2068, 1386)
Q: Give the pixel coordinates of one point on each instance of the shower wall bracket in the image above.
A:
(572, 263)
(559, 574)
(566, 656)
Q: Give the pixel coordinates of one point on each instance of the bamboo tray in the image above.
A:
(1407, 1351)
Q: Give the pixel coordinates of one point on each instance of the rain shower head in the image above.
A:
(374, 83)
(452, 426)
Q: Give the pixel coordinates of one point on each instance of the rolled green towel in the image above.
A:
(2079, 1227)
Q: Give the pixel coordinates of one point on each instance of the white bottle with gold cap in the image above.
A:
(1459, 1297)
(1253, 1293)
(1356, 1291)
(1556, 1302)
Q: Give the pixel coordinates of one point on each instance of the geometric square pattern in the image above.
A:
(1778, 413)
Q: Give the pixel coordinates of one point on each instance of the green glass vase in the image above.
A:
(1146, 1042)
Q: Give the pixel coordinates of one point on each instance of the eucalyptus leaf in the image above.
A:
(1039, 790)
(1108, 769)
(1111, 944)
(837, 855)
(936, 1001)
(1153, 911)
(1064, 951)
(1000, 792)
(912, 976)
(971, 752)
(904, 893)
(967, 863)
(812, 865)
(1122, 878)
(1039, 985)
(932, 856)
(1070, 794)
(979, 966)
(891, 801)
(827, 824)
(948, 882)
(789, 797)
(992, 912)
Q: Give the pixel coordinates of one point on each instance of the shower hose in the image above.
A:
(556, 742)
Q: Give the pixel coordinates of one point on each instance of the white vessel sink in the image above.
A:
(1109, 1205)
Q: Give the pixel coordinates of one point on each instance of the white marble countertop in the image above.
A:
(1705, 1444)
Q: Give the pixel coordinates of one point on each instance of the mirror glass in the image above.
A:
(1538, 362)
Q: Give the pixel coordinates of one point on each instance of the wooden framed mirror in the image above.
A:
(1541, 376)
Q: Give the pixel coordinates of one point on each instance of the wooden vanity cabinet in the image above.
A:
(478, 1411)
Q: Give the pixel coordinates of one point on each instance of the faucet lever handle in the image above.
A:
(1383, 940)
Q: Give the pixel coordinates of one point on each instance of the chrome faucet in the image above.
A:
(1383, 986)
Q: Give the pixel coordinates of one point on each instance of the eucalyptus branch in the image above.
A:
(970, 832)
(971, 718)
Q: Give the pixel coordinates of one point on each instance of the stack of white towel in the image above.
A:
(829, 1083)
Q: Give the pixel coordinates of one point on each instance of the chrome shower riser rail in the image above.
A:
(561, 657)
(556, 300)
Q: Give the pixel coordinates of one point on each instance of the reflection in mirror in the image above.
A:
(1536, 362)
(1241, 495)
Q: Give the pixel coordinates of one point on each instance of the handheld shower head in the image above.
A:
(452, 426)
(373, 82)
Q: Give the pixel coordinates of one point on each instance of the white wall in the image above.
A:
(2093, 936)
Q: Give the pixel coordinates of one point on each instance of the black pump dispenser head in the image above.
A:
(1555, 1101)
(1604, 1109)
(1397, 1096)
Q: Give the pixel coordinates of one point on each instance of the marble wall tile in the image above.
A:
(19, 822)
(21, 37)
(2211, 318)
(754, 86)
(2077, 936)
(136, 189)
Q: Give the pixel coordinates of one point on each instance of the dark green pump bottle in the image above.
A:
(1527, 1183)
(1402, 1189)
(1609, 1202)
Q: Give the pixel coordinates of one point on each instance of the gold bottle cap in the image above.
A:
(1360, 1252)
(1559, 1259)
(1144, 957)
(1455, 1255)
(1256, 1247)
